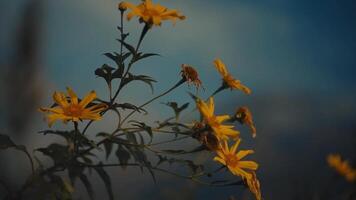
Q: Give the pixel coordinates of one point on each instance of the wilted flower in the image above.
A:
(232, 160)
(123, 6)
(205, 137)
(191, 75)
(73, 110)
(342, 167)
(254, 186)
(152, 14)
(222, 132)
(244, 116)
(228, 80)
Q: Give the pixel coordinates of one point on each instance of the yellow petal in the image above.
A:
(72, 95)
(220, 66)
(218, 159)
(87, 99)
(248, 165)
(243, 153)
(234, 147)
(60, 99)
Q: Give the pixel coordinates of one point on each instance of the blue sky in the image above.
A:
(297, 56)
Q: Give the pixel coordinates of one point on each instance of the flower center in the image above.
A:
(231, 160)
(73, 110)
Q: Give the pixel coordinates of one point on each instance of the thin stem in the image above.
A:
(121, 85)
(190, 177)
(143, 33)
(31, 161)
(121, 29)
(153, 99)
(221, 88)
(76, 141)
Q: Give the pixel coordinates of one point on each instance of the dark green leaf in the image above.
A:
(122, 155)
(140, 56)
(144, 127)
(129, 106)
(106, 178)
(59, 153)
(87, 185)
(177, 110)
(146, 79)
(6, 142)
(108, 148)
(128, 47)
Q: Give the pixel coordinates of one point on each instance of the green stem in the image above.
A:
(76, 138)
(153, 99)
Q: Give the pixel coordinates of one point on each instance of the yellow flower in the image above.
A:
(254, 186)
(221, 131)
(73, 110)
(232, 160)
(191, 75)
(244, 116)
(342, 167)
(152, 14)
(230, 81)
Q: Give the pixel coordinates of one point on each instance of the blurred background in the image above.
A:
(297, 56)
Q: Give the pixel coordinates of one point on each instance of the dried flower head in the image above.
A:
(228, 80)
(73, 110)
(152, 14)
(123, 6)
(222, 132)
(191, 75)
(244, 116)
(205, 136)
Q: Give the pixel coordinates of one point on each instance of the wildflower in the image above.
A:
(232, 160)
(222, 132)
(342, 167)
(152, 14)
(244, 116)
(191, 75)
(254, 185)
(73, 110)
(228, 80)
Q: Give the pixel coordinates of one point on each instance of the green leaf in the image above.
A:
(144, 127)
(140, 56)
(129, 106)
(87, 185)
(6, 142)
(105, 72)
(128, 47)
(108, 148)
(106, 178)
(146, 79)
(177, 110)
(59, 153)
(123, 156)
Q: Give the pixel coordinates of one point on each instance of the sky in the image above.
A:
(297, 56)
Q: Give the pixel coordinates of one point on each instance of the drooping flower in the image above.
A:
(254, 185)
(73, 110)
(244, 116)
(232, 160)
(191, 75)
(152, 14)
(222, 132)
(228, 80)
(342, 167)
